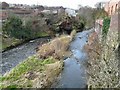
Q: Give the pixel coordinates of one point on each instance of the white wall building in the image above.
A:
(71, 12)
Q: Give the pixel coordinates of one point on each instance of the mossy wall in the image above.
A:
(103, 71)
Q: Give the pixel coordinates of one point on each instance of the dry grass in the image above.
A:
(56, 48)
(93, 47)
(73, 33)
(49, 76)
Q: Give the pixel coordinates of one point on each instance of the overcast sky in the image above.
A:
(66, 3)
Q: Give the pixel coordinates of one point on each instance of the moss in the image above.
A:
(41, 34)
(7, 42)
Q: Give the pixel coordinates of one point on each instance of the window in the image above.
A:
(116, 7)
(111, 9)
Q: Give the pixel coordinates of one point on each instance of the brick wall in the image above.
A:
(114, 22)
(112, 6)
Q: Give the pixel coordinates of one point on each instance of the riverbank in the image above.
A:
(73, 74)
(33, 72)
(44, 69)
(11, 43)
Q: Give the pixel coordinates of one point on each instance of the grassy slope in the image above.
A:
(32, 69)
(39, 73)
(35, 72)
(7, 42)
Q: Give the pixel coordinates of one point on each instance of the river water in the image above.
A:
(14, 56)
(74, 74)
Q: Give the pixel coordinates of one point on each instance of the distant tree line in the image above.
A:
(14, 27)
(35, 27)
(89, 15)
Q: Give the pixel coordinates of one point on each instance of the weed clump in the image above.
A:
(56, 48)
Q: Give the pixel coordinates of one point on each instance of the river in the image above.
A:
(74, 74)
(14, 56)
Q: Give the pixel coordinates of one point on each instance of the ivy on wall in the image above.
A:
(106, 25)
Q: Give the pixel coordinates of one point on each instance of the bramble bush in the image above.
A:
(14, 28)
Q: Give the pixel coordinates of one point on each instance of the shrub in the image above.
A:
(79, 23)
(99, 13)
(56, 48)
(14, 28)
(37, 27)
(81, 26)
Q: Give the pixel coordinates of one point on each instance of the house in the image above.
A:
(70, 12)
(3, 15)
(22, 6)
(112, 7)
(46, 11)
(50, 11)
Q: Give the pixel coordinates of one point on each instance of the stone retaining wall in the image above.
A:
(103, 70)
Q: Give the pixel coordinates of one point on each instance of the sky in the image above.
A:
(65, 3)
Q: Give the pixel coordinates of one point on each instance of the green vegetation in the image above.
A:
(88, 15)
(79, 23)
(36, 28)
(0, 42)
(99, 13)
(7, 42)
(106, 25)
(14, 27)
(31, 65)
(15, 31)
(65, 24)
(40, 68)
